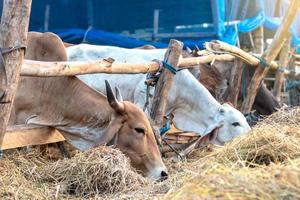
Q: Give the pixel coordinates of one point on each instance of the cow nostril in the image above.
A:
(164, 175)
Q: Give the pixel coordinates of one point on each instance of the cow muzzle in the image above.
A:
(158, 174)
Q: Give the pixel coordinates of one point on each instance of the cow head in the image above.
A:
(232, 124)
(131, 132)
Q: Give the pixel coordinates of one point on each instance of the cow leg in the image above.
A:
(64, 152)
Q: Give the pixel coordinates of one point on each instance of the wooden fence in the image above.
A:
(17, 15)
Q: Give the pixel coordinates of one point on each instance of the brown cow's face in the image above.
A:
(134, 136)
(137, 140)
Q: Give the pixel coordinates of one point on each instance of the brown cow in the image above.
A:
(215, 78)
(84, 116)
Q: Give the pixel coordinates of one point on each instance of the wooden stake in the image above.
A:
(13, 31)
(235, 82)
(164, 83)
(283, 62)
(258, 37)
(270, 54)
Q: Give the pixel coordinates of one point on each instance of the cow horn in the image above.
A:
(111, 98)
(118, 94)
(189, 50)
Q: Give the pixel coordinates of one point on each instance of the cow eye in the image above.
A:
(235, 124)
(140, 130)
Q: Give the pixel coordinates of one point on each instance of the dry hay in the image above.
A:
(272, 150)
(19, 177)
(102, 170)
(275, 139)
(218, 181)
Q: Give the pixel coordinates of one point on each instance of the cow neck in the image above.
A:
(195, 100)
(84, 113)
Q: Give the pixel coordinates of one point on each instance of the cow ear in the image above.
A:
(118, 94)
(112, 100)
(222, 111)
(189, 50)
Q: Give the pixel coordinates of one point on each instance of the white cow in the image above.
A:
(193, 107)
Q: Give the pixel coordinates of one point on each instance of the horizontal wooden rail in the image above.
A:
(27, 135)
(217, 46)
(48, 69)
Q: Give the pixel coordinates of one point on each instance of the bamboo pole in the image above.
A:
(39, 68)
(164, 83)
(270, 54)
(13, 31)
(283, 62)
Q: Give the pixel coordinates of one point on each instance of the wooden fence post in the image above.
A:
(235, 82)
(258, 35)
(13, 33)
(270, 54)
(164, 83)
(283, 62)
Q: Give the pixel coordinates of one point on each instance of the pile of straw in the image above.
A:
(262, 164)
(100, 172)
(19, 176)
(273, 140)
(103, 170)
(222, 182)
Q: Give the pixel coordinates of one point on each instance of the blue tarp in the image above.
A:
(100, 37)
(111, 16)
(248, 14)
(240, 9)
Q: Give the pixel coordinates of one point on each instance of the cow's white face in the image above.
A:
(234, 124)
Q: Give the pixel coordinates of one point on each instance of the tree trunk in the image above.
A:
(164, 83)
(270, 55)
(13, 32)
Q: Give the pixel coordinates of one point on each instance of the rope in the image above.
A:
(173, 149)
(11, 49)
(169, 67)
(3, 76)
(262, 61)
(166, 127)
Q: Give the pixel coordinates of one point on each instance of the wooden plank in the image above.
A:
(179, 138)
(48, 69)
(183, 134)
(164, 83)
(13, 33)
(27, 135)
(270, 54)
